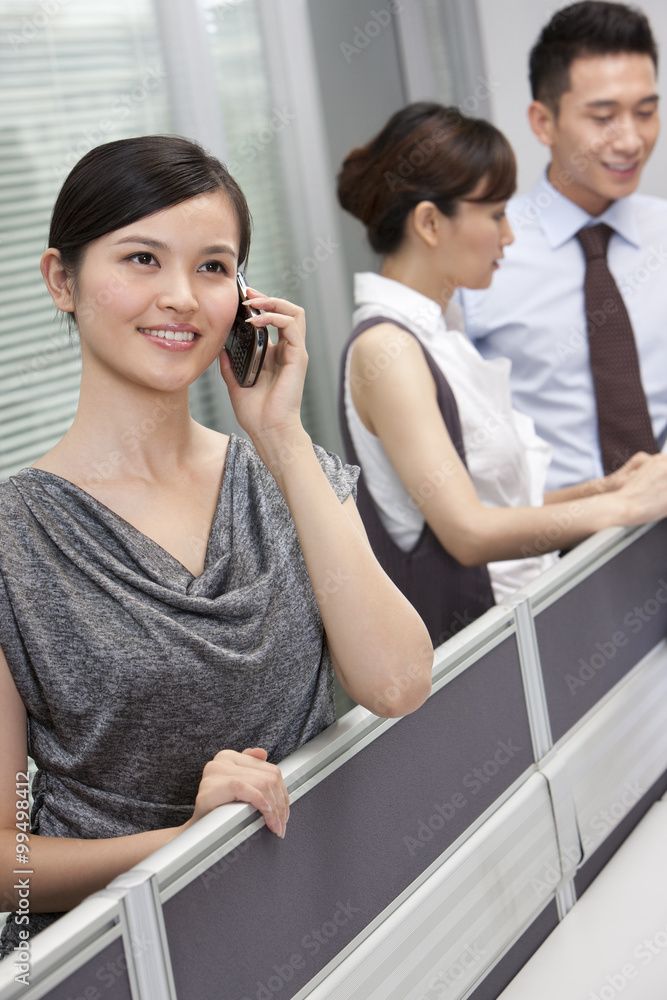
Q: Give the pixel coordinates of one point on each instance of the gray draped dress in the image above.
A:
(134, 673)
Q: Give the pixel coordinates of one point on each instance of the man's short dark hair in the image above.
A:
(592, 28)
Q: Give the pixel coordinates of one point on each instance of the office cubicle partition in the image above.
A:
(365, 832)
(594, 631)
(427, 856)
(599, 616)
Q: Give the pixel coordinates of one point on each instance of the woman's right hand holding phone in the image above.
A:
(243, 777)
(270, 411)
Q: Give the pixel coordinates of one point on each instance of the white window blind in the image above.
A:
(252, 125)
(255, 124)
(73, 74)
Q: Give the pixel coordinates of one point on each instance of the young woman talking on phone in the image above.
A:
(452, 476)
(168, 627)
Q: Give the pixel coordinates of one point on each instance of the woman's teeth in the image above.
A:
(179, 335)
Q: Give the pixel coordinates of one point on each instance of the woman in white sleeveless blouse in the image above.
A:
(431, 190)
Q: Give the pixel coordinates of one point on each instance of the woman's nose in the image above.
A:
(506, 234)
(177, 294)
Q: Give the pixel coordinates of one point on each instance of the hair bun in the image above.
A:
(354, 190)
(424, 152)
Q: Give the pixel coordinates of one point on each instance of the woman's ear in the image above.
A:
(57, 280)
(427, 222)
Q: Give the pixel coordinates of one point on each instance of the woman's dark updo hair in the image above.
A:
(425, 152)
(121, 182)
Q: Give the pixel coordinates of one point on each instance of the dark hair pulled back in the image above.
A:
(117, 183)
(425, 152)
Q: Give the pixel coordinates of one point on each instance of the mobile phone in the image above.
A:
(246, 344)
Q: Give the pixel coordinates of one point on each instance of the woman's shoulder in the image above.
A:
(244, 461)
(387, 356)
(383, 342)
(24, 498)
(19, 528)
(10, 496)
(382, 327)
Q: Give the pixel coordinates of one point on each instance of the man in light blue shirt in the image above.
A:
(593, 78)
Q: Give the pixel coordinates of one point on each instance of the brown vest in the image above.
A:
(446, 594)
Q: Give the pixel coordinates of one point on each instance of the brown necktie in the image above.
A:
(624, 424)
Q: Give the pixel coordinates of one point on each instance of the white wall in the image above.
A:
(509, 30)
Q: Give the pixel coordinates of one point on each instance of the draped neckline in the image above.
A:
(146, 540)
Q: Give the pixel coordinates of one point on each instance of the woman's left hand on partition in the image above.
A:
(271, 409)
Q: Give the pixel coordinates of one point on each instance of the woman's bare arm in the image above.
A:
(399, 405)
(380, 647)
(64, 870)
(606, 484)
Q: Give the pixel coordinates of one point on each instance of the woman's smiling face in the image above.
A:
(155, 300)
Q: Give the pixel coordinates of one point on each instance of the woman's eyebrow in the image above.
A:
(220, 248)
(154, 244)
(158, 245)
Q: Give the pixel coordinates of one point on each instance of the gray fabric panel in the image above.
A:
(104, 976)
(271, 915)
(598, 631)
(605, 852)
(507, 968)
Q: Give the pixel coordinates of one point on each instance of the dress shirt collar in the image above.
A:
(561, 219)
(417, 309)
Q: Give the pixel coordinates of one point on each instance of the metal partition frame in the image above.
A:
(596, 615)
(615, 563)
(610, 762)
(93, 942)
